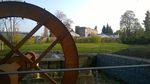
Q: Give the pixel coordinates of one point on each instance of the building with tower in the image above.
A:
(86, 31)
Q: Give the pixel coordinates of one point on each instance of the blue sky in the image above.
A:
(95, 12)
(67, 6)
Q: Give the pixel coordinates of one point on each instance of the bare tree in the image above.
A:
(64, 19)
(60, 15)
(10, 27)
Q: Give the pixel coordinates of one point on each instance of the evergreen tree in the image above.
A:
(110, 30)
(103, 29)
(107, 30)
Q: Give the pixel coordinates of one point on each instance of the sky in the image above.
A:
(91, 13)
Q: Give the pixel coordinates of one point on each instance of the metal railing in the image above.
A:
(74, 69)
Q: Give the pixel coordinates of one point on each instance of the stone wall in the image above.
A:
(136, 75)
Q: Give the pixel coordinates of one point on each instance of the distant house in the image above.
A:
(5, 34)
(85, 31)
(115, 36)
(37, 39)
(73, 34)
(109, 36)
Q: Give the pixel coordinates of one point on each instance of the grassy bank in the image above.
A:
(117, 48)
(81, 47)
(100, 47)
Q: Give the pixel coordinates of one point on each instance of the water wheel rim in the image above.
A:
(40, 15)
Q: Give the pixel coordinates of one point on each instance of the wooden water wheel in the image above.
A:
(43, 18)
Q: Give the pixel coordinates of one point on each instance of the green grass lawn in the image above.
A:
(117, 48)
(100, 47)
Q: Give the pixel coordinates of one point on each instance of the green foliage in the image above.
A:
(130, 28)
(92, 39)
(31, 41)
(95, 39)
(140, 36)
(108, 40)
(147, 22)
(45, 40)
(117, 32)
(136, 50)
(143, 39)
(16, 38)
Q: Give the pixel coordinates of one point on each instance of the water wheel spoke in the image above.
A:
(19, 44)
(9, 45)
(8, 56)
(46, 51)
(6, 42)
(52, 81)
(28, 36)
(24, 57)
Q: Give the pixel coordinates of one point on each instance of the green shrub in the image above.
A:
(95, 39)
(45, 40)
(92, 39)
(16, 38)
(108, 40)
(31, 40)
